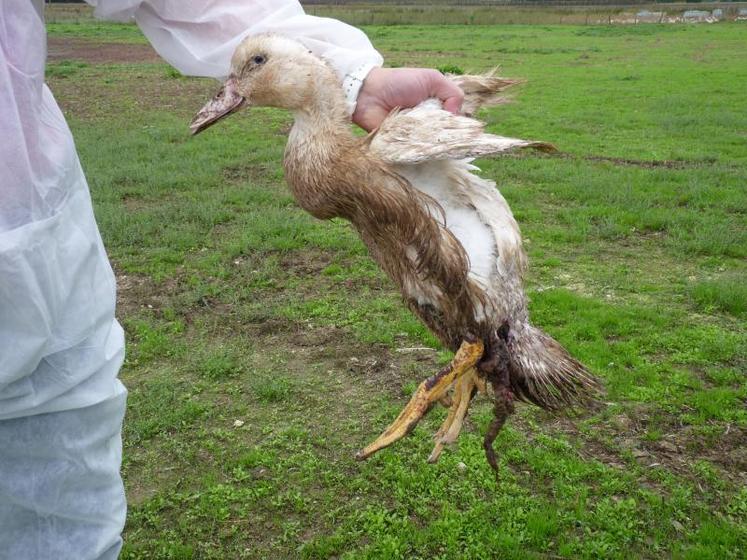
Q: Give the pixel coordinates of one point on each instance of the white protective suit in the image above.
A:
(61, 404)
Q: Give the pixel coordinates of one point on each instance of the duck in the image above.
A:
(443, 234)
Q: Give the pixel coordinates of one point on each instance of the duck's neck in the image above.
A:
(324, 117)
(317, 147)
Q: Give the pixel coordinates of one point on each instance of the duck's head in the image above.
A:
(266, 70)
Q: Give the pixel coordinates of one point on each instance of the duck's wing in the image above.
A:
(482, 90)
(428, 133)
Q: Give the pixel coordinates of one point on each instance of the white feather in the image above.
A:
(433, 149)
(428, 133)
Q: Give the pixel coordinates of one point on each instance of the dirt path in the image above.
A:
(98, 52)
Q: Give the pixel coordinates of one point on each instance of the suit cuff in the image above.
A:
(353, 82)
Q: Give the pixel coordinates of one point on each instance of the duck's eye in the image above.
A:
(259, 59)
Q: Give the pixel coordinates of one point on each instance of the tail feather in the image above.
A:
(544, 373)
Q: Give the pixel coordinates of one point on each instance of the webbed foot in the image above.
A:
(431, 390)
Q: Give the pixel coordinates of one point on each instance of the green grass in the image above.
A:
(94, 29)
(265, 347)
(64, 68)
(727, 294)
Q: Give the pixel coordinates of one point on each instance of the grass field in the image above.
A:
(265, 348)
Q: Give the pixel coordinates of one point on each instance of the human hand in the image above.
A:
(387, 88)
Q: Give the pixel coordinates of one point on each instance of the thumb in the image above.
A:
(369, 115)
(448, 92)
(454, 104)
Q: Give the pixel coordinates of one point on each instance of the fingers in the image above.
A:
(369, 115)
(450, 94)
(387, 88)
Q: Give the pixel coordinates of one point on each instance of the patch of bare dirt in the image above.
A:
(389, 371)
(651, 164)
(136, 292)
(310, 263)
(678, 449)
(252, 173)
(729, 450)
(98, 52)
(375, 366)
(134, 203)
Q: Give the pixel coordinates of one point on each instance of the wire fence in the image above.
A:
(485, 12)
(538, 3)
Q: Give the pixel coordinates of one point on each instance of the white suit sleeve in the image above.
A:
(199, 37)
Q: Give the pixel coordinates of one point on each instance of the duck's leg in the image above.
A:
(429, 391)
(497, 370)
(464, 390)
(503, 406)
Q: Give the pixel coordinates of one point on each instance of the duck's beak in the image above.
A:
(225, 102)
